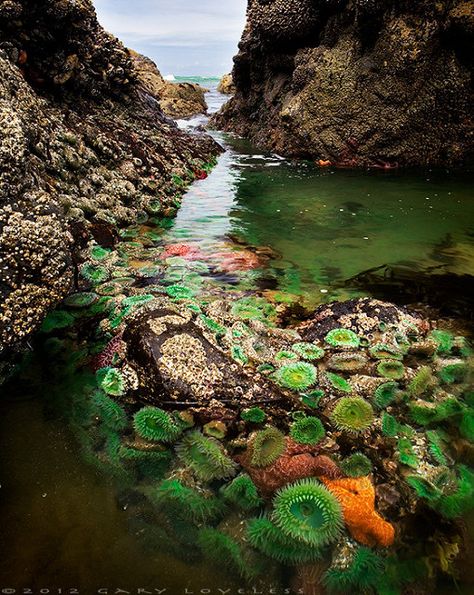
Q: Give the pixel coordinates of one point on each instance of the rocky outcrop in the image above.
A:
(84, 148)
(356, 82)
(177, 100)
(226, 85)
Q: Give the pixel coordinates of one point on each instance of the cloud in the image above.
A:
(205, 30)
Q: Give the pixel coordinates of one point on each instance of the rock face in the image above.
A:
(177, 100)
(83, 147)
(356, 82)
(226, 85)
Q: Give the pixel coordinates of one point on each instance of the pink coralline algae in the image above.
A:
(107, 356)
(183, 250)
(242, 260)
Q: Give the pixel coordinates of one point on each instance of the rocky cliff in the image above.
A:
(84, 148)
(357, 82)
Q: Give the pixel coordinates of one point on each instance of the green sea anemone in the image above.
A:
(436, 446)
(406, 453)
(421, 383)
(389, 425)
(342, 337)
(338, 383)
(179, 292)
(285, 355)
(242, 492)
(264, 536)
(222, 550)
(213, 326)
(149, 464)
(137, 300)
(423, 488)
(307, 430)
(364, 571)
(185, 502)
(352, 414)
(444, 341)
(266, 446)
(265, 369)
(216, 429)
(152, 423)
(308, 512)
(312, 398)
(56, 320)
(111, 381)
(347, 362)
(308, 351)
(356, 465)
(385, 351)
(466, 427)
(391, 368)
(81, 299)
(205, 456)
(385, 394)
(254, 415)
(99, 253)
(460, 500)
(95, 274)
(239, 355)
(453, 373)
(252, 308)
(297, 376)
(109, 411)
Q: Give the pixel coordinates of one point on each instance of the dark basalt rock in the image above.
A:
(356, 82)
(84, 148)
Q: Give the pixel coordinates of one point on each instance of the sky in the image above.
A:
(183, 37)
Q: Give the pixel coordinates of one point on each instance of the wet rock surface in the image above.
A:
(177, 100)
(84, 148)
(226, 85)
(356, 82)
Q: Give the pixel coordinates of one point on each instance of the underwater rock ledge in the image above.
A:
(84, 149)
(376, 83)
(343, 445)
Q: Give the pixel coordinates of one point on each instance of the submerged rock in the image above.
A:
(84, 148)
(356, 83)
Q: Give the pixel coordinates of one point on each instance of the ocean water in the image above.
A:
(297, 231)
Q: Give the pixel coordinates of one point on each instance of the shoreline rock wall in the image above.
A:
(84, 148)
(356, 82)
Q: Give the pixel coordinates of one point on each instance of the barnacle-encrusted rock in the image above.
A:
(83, 147)
(282, 19)
(363, 82)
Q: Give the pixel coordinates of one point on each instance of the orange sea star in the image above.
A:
(357, 498)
